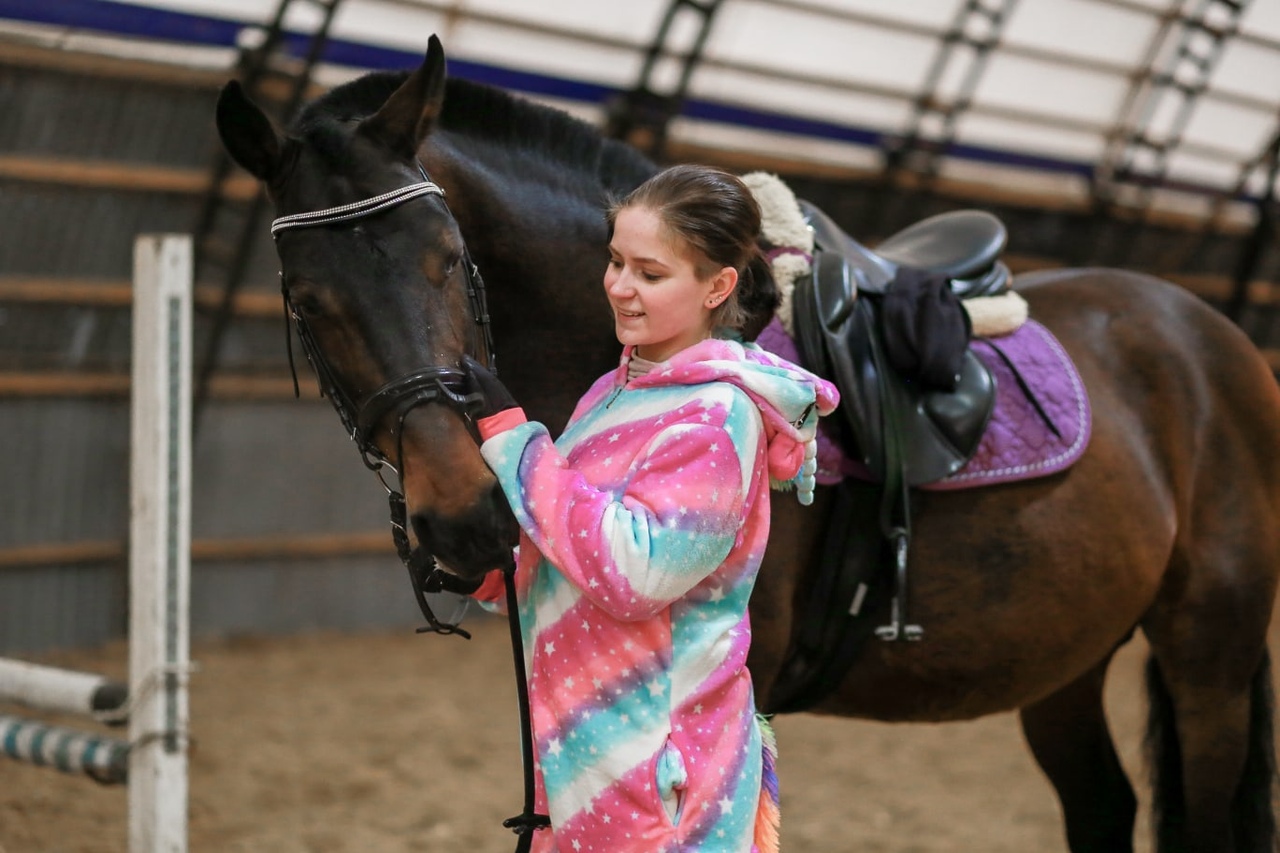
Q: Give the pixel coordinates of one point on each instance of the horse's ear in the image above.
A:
(248, 134)
(407, 117)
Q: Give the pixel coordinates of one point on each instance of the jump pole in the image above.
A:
(63, 691)
(68, 750)
(47, 688)
(160, 543)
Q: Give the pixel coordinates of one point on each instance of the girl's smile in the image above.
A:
(660, 303)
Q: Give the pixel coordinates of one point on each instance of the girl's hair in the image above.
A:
(714, 214)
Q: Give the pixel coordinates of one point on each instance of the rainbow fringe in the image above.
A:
(768, 815)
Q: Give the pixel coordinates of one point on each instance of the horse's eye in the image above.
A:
(305, 305)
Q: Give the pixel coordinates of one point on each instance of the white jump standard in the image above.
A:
(153, 761)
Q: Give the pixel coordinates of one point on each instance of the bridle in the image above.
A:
(447, 386)
(431, 384)
(398, 396)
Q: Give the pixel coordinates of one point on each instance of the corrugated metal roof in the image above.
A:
(1059, 79)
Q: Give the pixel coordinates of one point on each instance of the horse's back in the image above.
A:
(1160, 353)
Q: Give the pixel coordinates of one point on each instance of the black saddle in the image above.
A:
(963, 245)
(906, 430)
(840, 334)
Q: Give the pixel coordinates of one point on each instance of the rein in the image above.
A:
(399, 396)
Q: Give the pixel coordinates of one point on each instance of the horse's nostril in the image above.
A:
(473, 542)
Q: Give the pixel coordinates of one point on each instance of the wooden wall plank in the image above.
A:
(309, 546)
(118, 293)
(50, 385)
(120, 176)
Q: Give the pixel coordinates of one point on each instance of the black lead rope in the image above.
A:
(525, 823)
(425, 576)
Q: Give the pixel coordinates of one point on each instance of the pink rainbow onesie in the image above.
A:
(643, 527)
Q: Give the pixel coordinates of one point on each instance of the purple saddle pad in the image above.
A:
(1018, 443)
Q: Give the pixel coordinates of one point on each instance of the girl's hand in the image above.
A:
(496, 396)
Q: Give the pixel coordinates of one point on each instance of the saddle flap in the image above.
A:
(838, 335)
(959, 417)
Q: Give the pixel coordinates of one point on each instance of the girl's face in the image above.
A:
(660, 305)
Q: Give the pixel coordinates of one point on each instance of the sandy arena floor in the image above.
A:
(397, 742)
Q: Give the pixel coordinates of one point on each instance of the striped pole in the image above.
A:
(154, 759)
(104, 759)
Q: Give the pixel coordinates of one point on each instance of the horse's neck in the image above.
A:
(528, 229)
(541, 246)
(529, 199)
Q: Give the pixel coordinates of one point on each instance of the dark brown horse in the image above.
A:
(1168, 524)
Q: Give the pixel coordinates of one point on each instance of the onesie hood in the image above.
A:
(790, 400)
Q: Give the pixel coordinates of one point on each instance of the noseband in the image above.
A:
(398, 396)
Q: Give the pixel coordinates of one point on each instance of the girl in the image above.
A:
(643, 527)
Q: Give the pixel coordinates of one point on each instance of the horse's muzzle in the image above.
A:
(474, 542)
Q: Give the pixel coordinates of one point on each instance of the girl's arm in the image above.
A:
(635, 548)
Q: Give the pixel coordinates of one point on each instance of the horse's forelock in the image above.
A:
(357, 98)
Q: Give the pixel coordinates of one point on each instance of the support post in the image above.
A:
(160, 543)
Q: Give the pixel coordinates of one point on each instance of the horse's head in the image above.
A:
(384, 298)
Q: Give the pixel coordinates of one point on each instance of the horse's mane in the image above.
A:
(487, 114)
